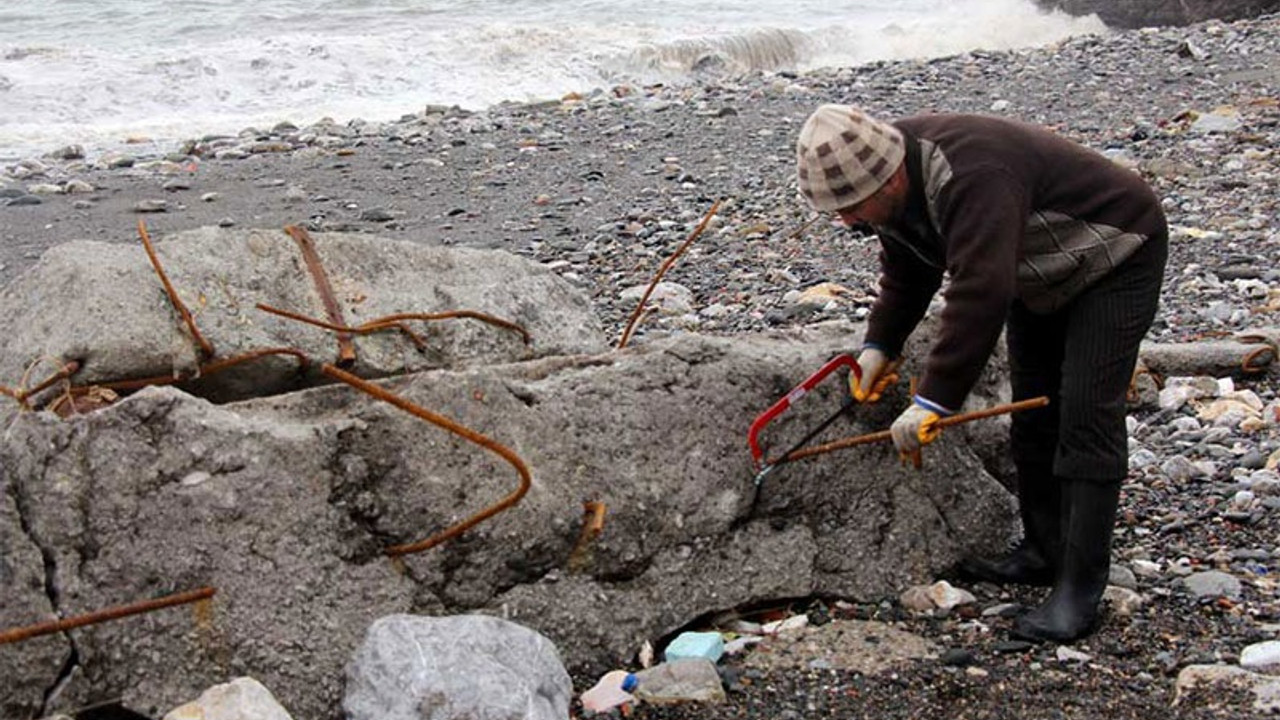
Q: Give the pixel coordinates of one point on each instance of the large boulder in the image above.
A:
(1152, 13)
(284, 504)
(103, 304)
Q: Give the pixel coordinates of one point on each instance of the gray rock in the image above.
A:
(455, 668)
(104, 305)
(1123, 577)
(1212, 583)
(1263, 656)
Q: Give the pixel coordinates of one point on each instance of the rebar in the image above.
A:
(112, 613)
(206, 348)
(592, 526)
(206, 369)
(346, 350)
(1248, 366)
(396, 321)
(461, 431)
(635, 315)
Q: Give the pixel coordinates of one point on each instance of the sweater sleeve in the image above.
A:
(907, 285)
(983, 217)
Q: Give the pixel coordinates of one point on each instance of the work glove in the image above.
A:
(916, 427)
(877, 375)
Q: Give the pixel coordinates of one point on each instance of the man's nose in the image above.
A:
(849, 218)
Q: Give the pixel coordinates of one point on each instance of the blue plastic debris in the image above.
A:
(707, 645)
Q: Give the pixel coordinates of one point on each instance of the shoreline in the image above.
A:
(604, 184)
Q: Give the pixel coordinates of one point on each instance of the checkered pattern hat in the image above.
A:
(843, 156)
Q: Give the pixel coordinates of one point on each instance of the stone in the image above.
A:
(667, 297)
(103, 304)
(1123, 601)
(1212, 583)
(1263, 656)
(241, 699)
(455, 668)
(1264, 689)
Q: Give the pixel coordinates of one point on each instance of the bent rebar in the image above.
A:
(206, 348)
(112, 613)
(396, 321)
(461, 431)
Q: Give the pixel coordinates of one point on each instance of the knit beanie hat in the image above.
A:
(843, 156)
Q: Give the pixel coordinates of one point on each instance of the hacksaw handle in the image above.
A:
(793, 396)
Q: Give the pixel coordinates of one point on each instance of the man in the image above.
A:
(1041, 237)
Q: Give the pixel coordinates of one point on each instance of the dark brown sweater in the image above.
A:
(1008, 210)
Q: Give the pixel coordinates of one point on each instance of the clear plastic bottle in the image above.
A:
(612, 690)
(676, 681)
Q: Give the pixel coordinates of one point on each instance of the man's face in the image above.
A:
(882, 207)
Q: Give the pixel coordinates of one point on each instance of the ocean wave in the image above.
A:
(764, 49)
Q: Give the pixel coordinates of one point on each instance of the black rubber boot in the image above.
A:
(1071, 611)
(1034, 559)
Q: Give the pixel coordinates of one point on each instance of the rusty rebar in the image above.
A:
(883, 435)
(346, 350)
(362, 330)
(206, 348)
(207, 369)
(1247, 366)
(635, 315)
(461, 431)
(112, 613)
(395, 318)
(592, 526)
(396, 321)
(71, 367)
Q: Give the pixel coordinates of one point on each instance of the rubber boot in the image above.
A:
(1071, 611)
(1033, 561)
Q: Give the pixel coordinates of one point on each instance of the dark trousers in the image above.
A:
(1082, 357)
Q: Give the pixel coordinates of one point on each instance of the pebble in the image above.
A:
(1262, 656)
(151, 206)
(1212, 584)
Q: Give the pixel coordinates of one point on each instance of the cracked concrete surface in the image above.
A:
(284, 503)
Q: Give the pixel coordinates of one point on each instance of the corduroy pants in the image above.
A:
(1082, 357)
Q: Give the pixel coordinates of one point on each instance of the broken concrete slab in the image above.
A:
(285, 503)
(104, 305)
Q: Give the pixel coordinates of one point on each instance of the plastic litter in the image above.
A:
(611, 690)
(680, 681)
(706, 645)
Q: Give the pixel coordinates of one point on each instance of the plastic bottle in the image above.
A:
(678, 681)
(612, 690)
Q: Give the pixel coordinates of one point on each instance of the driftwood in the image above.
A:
(1246, 354)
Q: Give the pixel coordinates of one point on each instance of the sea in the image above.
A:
(104, 72)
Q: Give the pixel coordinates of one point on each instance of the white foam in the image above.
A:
(236, 64)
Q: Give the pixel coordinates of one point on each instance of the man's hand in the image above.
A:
(916, 427)
(877, 375)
